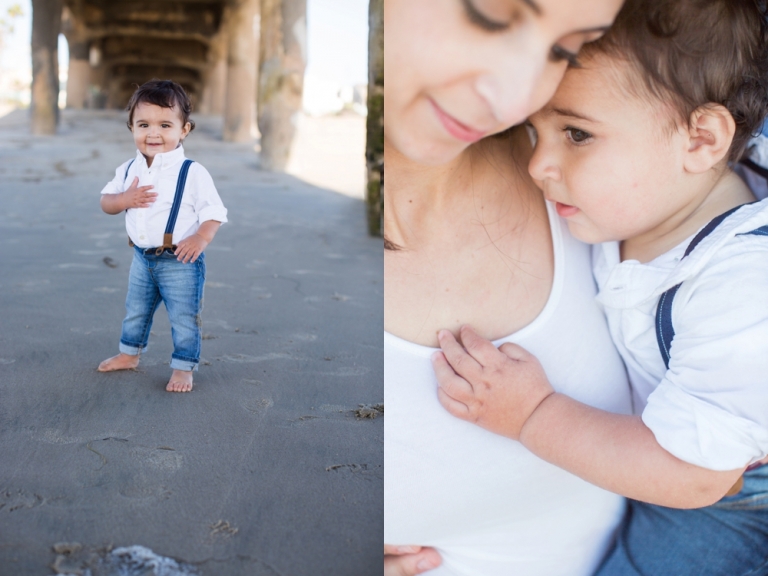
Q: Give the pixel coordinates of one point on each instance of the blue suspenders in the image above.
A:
(665, 332)
(128, 168)
(180, 183)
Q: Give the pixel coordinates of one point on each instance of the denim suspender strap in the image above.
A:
(665, 332)
(168, 236)
(752, 165)
(130, 242)
(128, 168)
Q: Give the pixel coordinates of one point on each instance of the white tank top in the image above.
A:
(489, 506)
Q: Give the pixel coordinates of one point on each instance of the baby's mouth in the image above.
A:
(565, 210)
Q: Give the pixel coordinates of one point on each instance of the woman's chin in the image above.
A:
(430, 152)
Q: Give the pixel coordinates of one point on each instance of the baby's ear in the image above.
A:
(710, 134)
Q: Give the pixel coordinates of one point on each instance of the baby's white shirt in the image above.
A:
(710, 408)
(201, 202)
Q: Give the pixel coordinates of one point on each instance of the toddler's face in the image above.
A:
(611, 161)
(157, 129)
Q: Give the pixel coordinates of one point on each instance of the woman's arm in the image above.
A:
(507, 392)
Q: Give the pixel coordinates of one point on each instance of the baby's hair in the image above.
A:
(692, 53)
(163, 93)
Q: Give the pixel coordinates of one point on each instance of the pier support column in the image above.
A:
(281, 77)
(44, 107)
(242, 58)
(215, 81)
(79, 74)
(374, 148)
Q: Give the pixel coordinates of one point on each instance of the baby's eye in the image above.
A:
(166, 125)
(577, 136)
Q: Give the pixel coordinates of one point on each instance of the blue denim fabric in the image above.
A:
(729, 538)
(154, 279)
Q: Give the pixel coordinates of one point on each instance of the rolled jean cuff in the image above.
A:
(185, 365)
(131, 350)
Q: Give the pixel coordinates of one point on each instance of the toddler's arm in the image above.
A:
(135, 197)
(192, 246)
(507, 392)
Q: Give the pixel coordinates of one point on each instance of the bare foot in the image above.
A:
(181, 381)
(119, 362)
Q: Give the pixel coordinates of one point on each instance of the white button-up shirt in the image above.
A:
(710, 408)
(201, 202)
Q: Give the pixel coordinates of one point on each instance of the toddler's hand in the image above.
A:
(190, 248)
(138, 196)
(495, 389)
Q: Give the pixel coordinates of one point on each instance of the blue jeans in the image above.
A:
(728, 538)
(154, 279)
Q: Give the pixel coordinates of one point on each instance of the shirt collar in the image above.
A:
(628, 284)
(164, 159)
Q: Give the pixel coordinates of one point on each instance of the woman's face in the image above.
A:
(459, 70)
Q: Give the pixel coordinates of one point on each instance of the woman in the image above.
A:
(471, 241)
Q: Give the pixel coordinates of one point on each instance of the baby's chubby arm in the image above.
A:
(192, 246)
(506, 391)
(135, 197)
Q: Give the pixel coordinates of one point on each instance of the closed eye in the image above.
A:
(481, 20)
(558, 54)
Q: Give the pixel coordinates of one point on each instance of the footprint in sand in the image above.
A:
(257, 405)
(165, 459)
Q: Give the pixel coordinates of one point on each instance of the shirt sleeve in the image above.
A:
(711, 408)
(117, 184)
(208, 204)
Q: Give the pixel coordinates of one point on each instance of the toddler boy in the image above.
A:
(172, 212)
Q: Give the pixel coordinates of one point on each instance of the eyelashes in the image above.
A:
(576, 136)
(479, 19)
(557, 54)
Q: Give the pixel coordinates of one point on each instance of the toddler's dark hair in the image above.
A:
(697, 52)
(164, 93)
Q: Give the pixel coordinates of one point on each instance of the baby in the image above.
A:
(634, 152)
(172, 212)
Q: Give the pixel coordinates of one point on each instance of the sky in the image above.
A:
(337, 39)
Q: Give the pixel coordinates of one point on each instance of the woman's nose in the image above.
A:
(510, 102)
(511, 86)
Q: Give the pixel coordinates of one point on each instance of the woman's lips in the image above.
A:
(456, 128)
(565, 210)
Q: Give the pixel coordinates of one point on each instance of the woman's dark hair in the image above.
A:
(697, 52)
(163, 93)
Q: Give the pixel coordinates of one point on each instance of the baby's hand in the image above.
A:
(138, 196)
(190, 248)
(495, 389)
